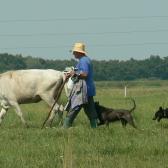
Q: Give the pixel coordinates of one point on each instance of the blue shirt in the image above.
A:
(85, 65)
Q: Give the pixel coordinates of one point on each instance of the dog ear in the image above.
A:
(160, 108)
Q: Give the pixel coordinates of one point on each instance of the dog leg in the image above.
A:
(158, 119)
(132, 123)
(107, 123)
(123, 122)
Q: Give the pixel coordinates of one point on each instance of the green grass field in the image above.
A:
(83, 147)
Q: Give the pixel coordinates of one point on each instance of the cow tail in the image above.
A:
(56, 99)
(65, 85)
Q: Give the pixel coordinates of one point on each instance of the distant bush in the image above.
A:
(153, 67)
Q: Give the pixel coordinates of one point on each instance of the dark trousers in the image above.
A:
(89, 110)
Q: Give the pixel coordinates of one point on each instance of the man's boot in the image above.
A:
(93, 123)
(67, 123)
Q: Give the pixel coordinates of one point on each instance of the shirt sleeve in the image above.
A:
(84, 67)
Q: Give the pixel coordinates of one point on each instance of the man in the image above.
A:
(84, 97)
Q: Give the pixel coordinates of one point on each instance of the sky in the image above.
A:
(110, 29)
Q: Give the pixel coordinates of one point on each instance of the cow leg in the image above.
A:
(53, 113)
(50, 101)
(2, 113)
(57, 111)
(19, 112)
(5, 106)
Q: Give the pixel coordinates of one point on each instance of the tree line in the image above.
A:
(153, 67)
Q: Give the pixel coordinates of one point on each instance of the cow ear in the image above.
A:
(160, 108)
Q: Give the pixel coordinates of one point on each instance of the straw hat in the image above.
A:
(79, 47)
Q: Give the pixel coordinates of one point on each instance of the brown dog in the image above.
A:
(107, 115)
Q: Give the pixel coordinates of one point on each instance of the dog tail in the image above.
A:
(131, 110)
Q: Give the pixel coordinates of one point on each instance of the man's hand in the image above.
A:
(69, 74)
